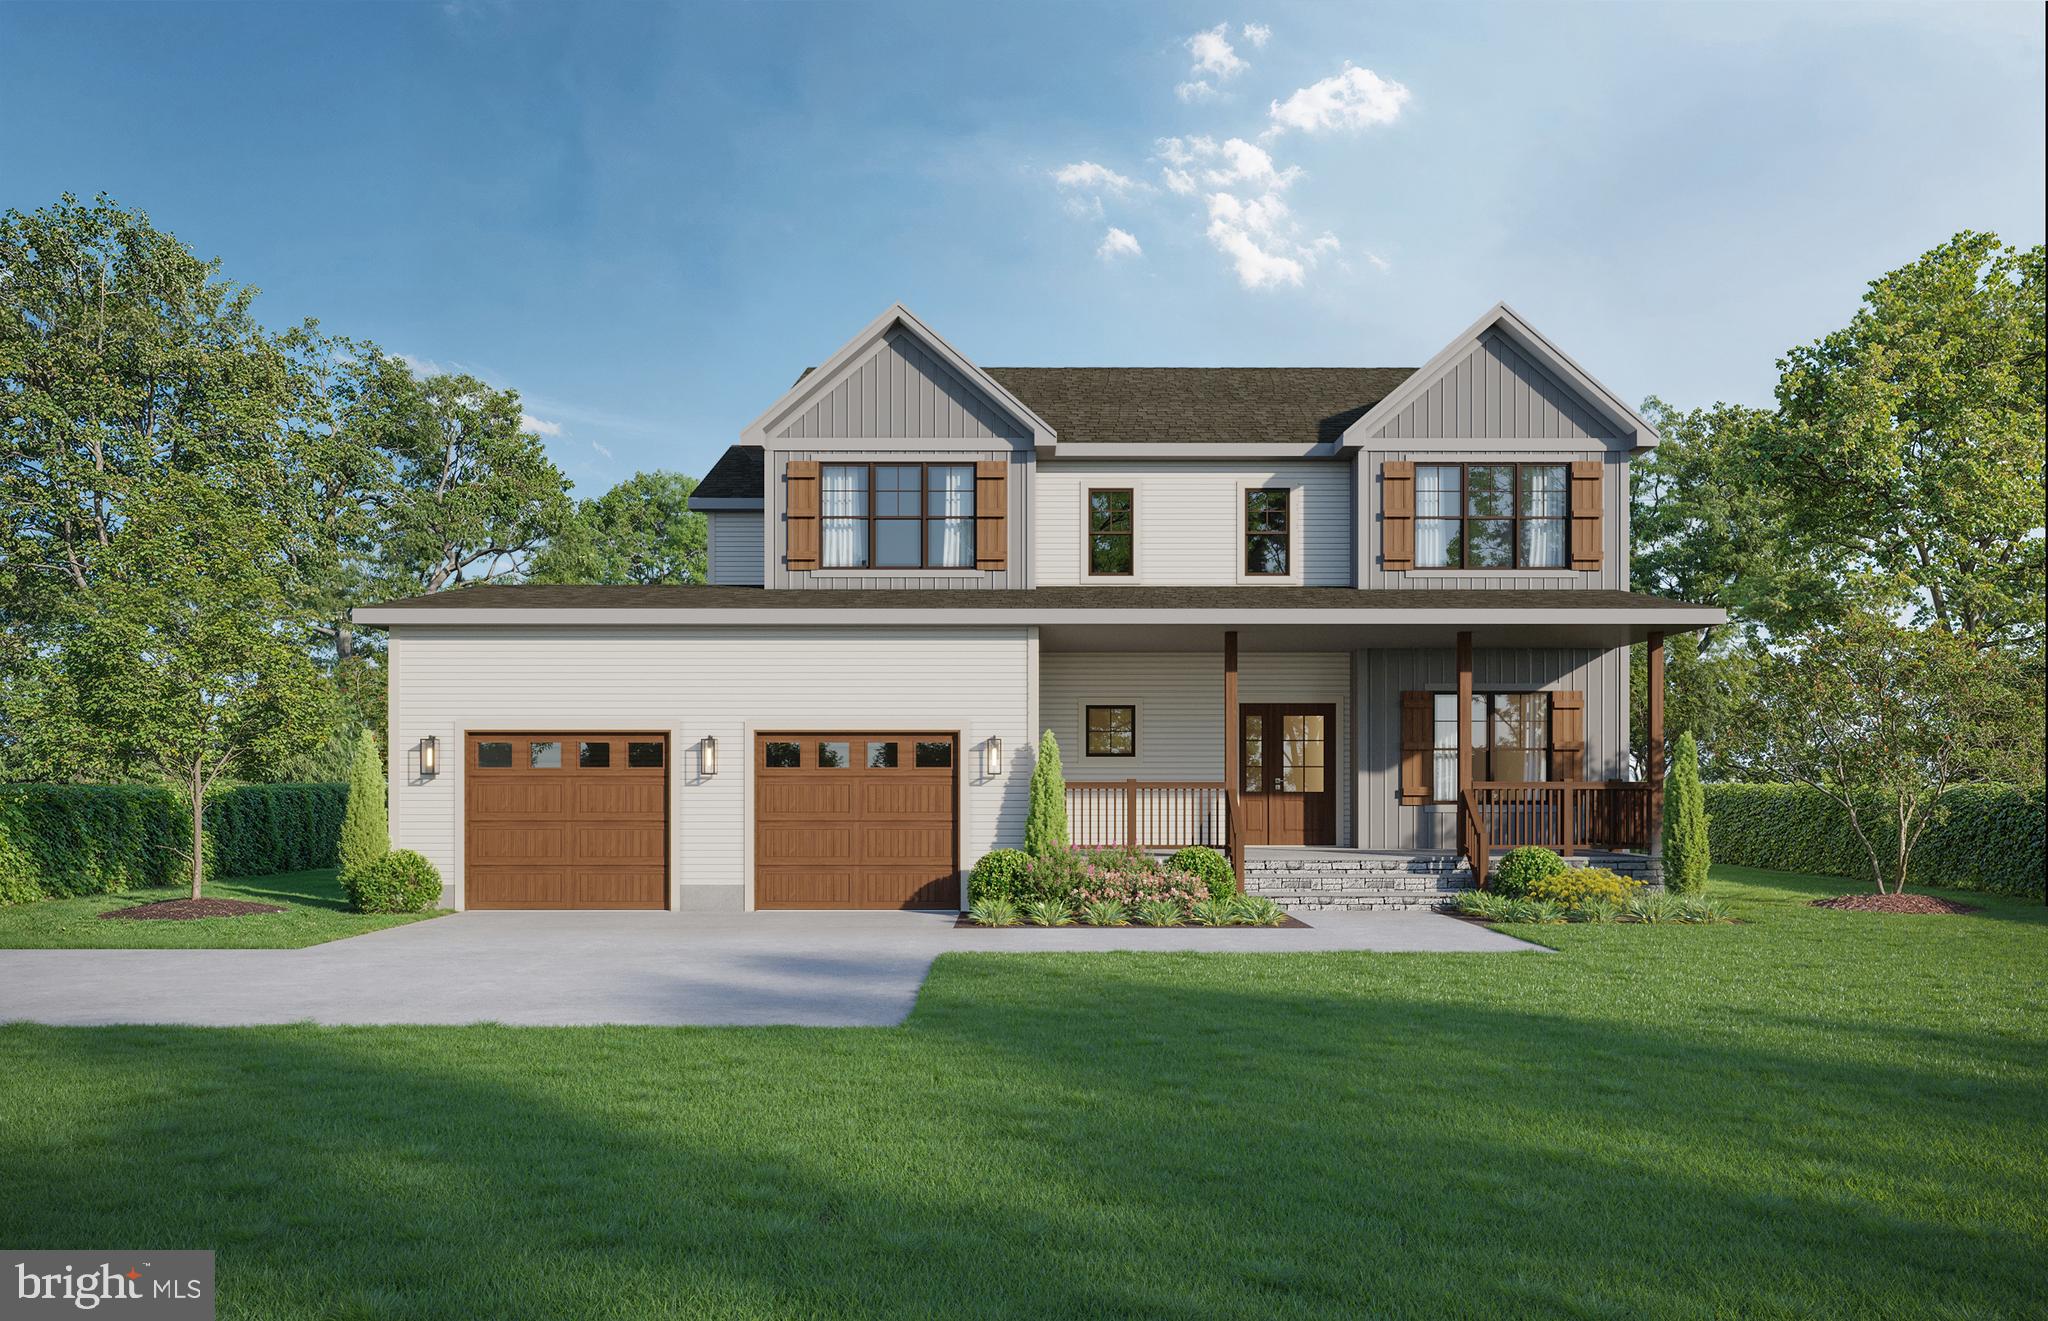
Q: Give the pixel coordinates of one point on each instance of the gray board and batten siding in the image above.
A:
(1383, 674)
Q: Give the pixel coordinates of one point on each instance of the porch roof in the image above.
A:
(1095, 618)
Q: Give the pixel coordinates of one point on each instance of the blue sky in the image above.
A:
(648, 218)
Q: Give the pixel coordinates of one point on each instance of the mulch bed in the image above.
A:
(965, 921)
(1894, 903)
(184, 910)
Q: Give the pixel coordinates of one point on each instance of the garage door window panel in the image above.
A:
(494, 756)
(881, 755)
(594, 756)
(777, 756)
(544, 756)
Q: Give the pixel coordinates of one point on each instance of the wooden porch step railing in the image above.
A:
(1566, 815)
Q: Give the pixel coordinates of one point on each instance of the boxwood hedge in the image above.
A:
(59, 840)
(1987, 837)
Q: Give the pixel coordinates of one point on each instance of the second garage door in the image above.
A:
(566, 820)
(855, 821)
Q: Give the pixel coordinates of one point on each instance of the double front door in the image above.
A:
(1287, 759)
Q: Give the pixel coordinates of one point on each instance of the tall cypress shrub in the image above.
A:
(365, 833)
(1045, 825)
(1686, 858)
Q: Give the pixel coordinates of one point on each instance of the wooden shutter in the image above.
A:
(1418, 747)
(800, 511)
(991, 514)
(1397, 514)
(1567, 736)
(1586, 509)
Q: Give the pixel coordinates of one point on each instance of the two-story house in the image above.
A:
(1349, 624)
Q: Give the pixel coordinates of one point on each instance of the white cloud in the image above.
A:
(1258, 34)
(539, 426)
(600, 449)
(1194, 91)
(1087, 174)
(1228, 164)
(1118, 243)
(1258, 237)
(1379, 263)
(1213, 52)
(1083, 208)
(1178, 181)
(1352, 100)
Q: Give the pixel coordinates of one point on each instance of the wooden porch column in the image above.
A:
(1654, 720)
(1233, 775)
(1464, 732)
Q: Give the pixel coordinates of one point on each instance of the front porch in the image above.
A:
(1331, 793)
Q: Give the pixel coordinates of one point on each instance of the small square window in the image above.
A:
(782, 756)
(544, 756)
(935, 754)
(644, 755)
(881, 756)
(1112, 731)
(835, 756)
(594, 756)
(497, 756)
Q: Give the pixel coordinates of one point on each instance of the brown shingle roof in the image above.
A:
(1281, 405)
(535, 596)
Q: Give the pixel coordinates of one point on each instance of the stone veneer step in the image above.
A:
(1388, 881)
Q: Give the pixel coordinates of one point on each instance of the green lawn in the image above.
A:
(1813, 1114)
(315, 912)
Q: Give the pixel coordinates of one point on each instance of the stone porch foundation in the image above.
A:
(1309, 879)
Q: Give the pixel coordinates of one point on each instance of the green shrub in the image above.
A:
(993, 913)
(399, 882)
(1687, 849)
(365, 831)
(77, 839)
(1213, 913)
(1206, 865)
(1001, 874)
(17, 873)
(1158, 913)
(262, 829)
(1984, 836)
(1045, 819)
(1652, 906)
(1048, 913)
(1700, 908)
(1575, 886)
(1520, 868)
(1104, 913)
(1593, 910)
(1256, 910)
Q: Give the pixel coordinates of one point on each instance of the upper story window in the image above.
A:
(1111, 532)
(897, 515)
(1268, 532)
(1490, 515)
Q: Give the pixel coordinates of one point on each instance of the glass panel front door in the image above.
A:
(1288, 774)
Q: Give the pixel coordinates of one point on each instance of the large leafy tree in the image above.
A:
(1881, 718)
(1914, 439)
(180, 664)
(640, 531)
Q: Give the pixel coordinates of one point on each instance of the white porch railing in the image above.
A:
(1150, 814)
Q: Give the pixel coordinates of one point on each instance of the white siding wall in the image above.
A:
(695, 682)
(1179, 696)
(733, 543)
(1190, 520)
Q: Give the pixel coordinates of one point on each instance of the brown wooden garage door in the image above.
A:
(566, 820)
(855, 821)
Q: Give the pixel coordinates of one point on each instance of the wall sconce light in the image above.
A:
(707, 756)
(430, 757)
(992, 752)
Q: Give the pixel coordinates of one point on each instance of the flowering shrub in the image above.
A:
(1576, 886)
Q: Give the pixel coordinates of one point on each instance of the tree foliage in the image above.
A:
(1870, 712)
(365, 827)
(641, 531)
(1045, 820)
(1686, 858)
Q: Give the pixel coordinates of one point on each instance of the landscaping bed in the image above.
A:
(1894, 903)
(1113, 887)
(1286, 921)
(185, 910)
(286, 911)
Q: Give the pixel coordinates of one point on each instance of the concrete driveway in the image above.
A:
(662, 969)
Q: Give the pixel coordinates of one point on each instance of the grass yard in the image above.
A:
(1813, 1114)
(315, 912)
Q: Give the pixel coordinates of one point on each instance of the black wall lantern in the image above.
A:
(430, 757)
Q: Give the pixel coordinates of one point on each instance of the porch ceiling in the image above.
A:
(1140, 634)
